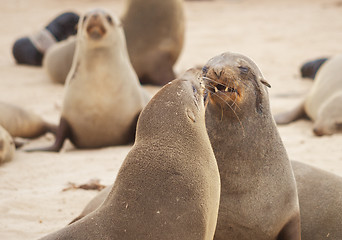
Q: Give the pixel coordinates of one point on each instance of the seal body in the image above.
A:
(322, 103)
(21, 123)
(258, 190)
(103, 97)
(154, 33)
(320, 201)
(7, 146)
(58, 60)
(168, 186)
(30, 50)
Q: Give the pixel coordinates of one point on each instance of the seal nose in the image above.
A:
(95, 27)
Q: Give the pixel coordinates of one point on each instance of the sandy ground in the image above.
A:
(278, 35)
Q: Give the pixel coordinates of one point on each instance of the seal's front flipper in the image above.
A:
(63, 132)
(290, 116)
(291, 230)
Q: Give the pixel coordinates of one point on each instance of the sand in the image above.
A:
(278, 35)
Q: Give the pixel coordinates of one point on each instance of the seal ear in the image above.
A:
(263, 81)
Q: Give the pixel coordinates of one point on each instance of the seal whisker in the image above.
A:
(215, 93)
(237, 117)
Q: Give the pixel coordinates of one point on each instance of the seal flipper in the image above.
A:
(291, 116)
(291, 230)
(63, 132)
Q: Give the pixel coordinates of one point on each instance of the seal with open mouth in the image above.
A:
(258, 190)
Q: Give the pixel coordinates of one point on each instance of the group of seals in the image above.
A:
(322, 105)
(103, 97)
(258, 191)
(154, 32)
(168, 186)
(30, 50)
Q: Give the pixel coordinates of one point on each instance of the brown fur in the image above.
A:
(168, 186)
(320, 201)
(258, 189)
(7, 147)
(322, 105)
(21, 123)
(154, 32)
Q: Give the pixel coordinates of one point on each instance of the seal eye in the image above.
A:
(243, 70)
(84, 18)
(109, 19)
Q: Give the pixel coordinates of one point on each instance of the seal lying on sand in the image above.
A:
(103, 97)
(168, 186)
(154, 32)
(30, 50)
(322, 105)
(320, 201)
(258, 190)
(7, 147)
(21, 123)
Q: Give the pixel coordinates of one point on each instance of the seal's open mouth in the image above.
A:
(96, 31)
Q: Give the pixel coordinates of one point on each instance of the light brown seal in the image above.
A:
(320, 201)
(103, 97)
(258, 190)
(57, 60)
(7, 147)
(21, 123)
(168, 186)
(154, 32)
(322, 104)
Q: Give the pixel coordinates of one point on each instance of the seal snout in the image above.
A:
(95, 28)
(220, 85)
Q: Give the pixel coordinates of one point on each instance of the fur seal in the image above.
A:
(168, 186)
(322, 104)
(320, 201)
(103, 97)
(58, 60)
(30, 50)
(21, 123)
(154, 33)
(258, 190)
(310, 68)
(7, 147)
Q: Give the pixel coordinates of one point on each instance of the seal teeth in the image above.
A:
(216, 90)
(226, 90)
